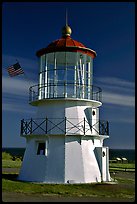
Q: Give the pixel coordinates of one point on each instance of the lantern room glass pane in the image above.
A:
(60, 75)
(66, 74)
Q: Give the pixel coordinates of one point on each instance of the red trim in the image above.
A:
(66, 44)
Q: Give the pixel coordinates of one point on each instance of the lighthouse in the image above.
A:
(64, 142)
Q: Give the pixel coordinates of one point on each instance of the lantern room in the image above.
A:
(66, 70)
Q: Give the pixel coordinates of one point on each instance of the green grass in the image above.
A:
(124, 189)
(10, 184)
(9, 161)
(11, 164)
(6, 156)
(122, 166)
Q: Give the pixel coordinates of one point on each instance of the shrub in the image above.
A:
(6, 156)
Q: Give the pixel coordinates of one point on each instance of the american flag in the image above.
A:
(15, 69)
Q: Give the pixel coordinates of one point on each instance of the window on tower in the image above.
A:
(41, 148)
(93, 113)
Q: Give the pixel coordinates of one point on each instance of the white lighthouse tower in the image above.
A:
(64, 142)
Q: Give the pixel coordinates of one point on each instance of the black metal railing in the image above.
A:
(64, 90)
(67, 126)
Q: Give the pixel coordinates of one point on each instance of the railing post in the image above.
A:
(107, 128)
(64, 89)
(99, 128)
(22, 121)
(46, 125)
(31, 126)
(65, 124)
(33, 96)
(30, 94)
(100, 96)
(26, 128)
(84, 125)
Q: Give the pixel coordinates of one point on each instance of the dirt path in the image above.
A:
(10, 170)
(20, 197)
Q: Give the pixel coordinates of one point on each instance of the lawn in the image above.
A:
(122, 166)
(124, 187)
(9, 161)
(10, 184)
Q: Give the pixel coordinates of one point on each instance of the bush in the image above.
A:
(16, 158)
(6, 156)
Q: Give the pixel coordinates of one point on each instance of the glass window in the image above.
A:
(51, 57)
(51, 76)
(60, 75)
(41, 148)
(67, 74)
(70, 74)
(42, 63)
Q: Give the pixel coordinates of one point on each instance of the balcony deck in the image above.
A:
(64, 90)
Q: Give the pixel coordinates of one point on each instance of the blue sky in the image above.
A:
(106, 27)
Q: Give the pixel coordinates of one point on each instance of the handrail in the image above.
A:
(67, 126)
(64, 90)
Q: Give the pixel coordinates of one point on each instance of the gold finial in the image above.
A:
(66, 30)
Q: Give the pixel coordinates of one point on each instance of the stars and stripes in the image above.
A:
(15, 69)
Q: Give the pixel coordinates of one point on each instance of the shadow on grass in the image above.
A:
(12, 177)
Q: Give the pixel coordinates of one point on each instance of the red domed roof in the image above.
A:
(66, 43)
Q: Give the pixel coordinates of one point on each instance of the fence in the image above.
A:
(67, 126)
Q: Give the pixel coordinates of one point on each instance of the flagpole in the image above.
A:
(28, 79)
(25, 74)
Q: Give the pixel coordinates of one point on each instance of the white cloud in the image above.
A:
(117, 91)
(127, 120)
(15, 86)
(14, 107)
(8, 60)
(118, 99)
(15, 95)
(116, 82)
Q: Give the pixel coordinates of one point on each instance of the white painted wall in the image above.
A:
(105, 166)
(74, 172)
(98, 142)
(72, 159)
(95, 119)
(103, 162)
(42, 168)
(81, 165)
(56, 160)
(33, 166)
(91, 169)
(75, 111)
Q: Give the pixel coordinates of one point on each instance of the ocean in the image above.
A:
(113, 153)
